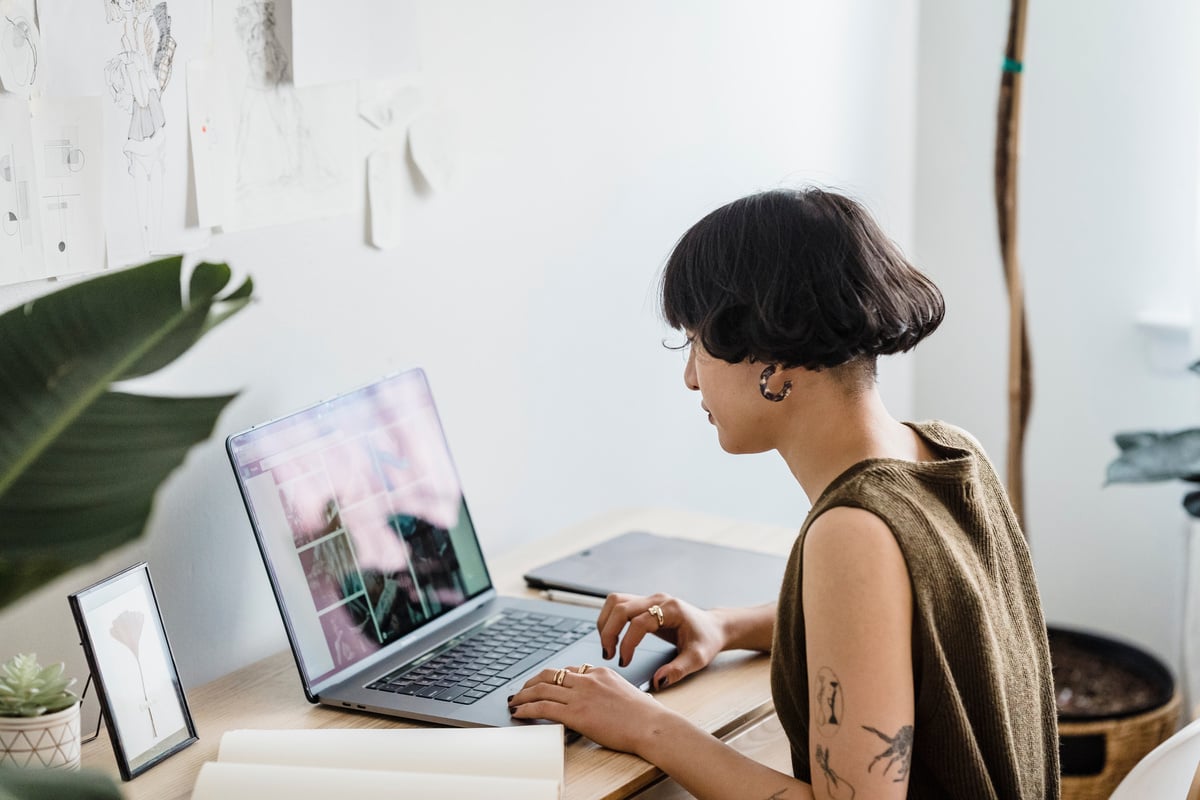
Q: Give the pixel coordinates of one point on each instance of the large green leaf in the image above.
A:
(79, 463)
(56, 784)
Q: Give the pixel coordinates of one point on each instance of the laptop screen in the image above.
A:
(361, 520)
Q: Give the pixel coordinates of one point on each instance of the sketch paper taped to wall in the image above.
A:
(211, 135)
(294, 149)
(131, 53)
(20, 48)
(390, 102)
(69, 165)
(387, 172)
(431, 137)
(364, 39)
(20, 232)
(51, 188)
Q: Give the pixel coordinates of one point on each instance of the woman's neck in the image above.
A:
(837, 429)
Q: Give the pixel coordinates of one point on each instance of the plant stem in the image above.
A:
(146, 696)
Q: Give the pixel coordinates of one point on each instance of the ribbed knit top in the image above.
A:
(985, 725)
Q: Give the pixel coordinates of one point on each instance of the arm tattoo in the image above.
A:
(899, 751)
(828, 709)
(835, 784)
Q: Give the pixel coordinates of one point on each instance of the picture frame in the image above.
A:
(141, 698)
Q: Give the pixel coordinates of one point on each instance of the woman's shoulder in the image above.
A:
(947, 436)
(956, 455)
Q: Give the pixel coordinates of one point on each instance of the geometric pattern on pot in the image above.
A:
(41, 741)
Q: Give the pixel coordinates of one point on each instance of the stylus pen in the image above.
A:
(574, 598)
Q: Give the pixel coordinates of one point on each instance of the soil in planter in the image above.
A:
(1089, 685)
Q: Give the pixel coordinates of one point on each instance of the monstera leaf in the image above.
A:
(56, 784)
(80, 462)
(1148, 456)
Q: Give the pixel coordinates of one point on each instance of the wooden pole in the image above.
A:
(1020, 383)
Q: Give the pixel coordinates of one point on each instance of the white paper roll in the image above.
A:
(228, 781)
(532, 752)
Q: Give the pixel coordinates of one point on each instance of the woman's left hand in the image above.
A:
(593, 701)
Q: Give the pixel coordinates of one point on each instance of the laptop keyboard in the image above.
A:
(484, 660)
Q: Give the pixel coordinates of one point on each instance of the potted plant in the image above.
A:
(1117, 702)
(39, 715)
(1150, 456)
(1155, 456)
(81, 459)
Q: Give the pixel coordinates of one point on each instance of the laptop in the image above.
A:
(375, 564)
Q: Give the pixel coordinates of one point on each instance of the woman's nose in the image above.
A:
(689, 371)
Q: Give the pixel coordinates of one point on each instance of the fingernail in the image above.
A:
(663, 681)
(605, 654)
(623, 662)
(512, 709)
(510, 697)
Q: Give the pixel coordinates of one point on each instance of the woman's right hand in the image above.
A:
(698, 635)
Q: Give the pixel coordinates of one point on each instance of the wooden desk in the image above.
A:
(731, 699)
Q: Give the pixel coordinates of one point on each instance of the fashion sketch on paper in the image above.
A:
(136, 78)
(274, 139)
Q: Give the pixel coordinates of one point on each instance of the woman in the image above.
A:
(908, 648)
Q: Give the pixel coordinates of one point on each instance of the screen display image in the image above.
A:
(361, 515)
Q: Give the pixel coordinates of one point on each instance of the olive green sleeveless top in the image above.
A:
(986, 725)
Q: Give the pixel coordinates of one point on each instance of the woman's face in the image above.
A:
(729, 394)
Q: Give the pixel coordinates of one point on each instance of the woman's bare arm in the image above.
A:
(858, 627)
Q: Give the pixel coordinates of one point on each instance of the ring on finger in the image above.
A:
(657, 612)
(560, 676)
(583, 670)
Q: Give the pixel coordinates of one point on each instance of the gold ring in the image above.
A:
(584, 669)
(658, 614)
(560, 676)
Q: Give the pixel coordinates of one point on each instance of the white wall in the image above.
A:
(591, 137)
(1108, 229)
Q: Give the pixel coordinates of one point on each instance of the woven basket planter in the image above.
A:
(1099, 751)
(51, 740)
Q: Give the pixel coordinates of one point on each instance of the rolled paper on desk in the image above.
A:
(527, 752)
(229, 781)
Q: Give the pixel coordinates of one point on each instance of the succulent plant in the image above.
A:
(27, 689)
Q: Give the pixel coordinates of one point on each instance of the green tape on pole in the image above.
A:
(1011, 65)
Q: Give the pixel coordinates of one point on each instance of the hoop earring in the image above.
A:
(767, 393)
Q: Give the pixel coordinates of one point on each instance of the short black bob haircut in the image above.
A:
(799, 278)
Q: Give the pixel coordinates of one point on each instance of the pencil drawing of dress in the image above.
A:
(137, 78)
(290, 153)
(274, 143)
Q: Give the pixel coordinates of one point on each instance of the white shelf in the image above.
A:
(1168, 335)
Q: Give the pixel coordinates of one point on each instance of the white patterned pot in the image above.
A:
(51, 740)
